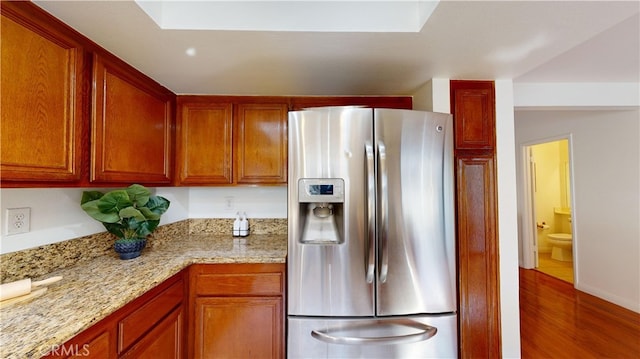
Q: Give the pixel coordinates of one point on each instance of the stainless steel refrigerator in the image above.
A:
(371, 255)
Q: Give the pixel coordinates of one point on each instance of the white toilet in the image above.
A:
(561, 246)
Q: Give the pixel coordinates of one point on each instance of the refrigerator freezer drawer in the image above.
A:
(400, 337)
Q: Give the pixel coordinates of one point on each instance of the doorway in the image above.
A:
(549, 244)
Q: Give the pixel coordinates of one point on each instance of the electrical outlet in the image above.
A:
(229, 203)
(18, 220)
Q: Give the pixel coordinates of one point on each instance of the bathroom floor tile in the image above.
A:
(552, 267)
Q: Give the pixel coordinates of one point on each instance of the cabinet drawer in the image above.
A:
(237, 279)
(134, 325)
(239, 284)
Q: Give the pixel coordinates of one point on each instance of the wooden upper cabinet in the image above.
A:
(261, 143)
(132, 124)
(204, 143)
(231, 140)
(397, 102)
(42, 76)
(474, 114)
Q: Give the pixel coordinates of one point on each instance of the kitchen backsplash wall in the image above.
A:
(223, 226)
(56, 215)
(35, 262)
(257, 202)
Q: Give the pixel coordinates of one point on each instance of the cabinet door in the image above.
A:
(97, 342)
(99, 347)
(135, 325)
(204, 143)
(238, 327)
(474, 114)
(41, 99)
(131, 126)
(164, 341)
(261, 143)
(399, 102)
(478, 258)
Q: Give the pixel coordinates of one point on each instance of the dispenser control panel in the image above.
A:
(327, 190)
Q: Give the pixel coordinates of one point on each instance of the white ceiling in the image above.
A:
(527, 41)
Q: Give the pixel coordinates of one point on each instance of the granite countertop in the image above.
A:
(92, 290)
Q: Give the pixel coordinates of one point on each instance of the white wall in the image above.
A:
(606, 173)
(433, 96)
(56, 214)
(604, 121)
(507, 220)
(257, 202)
(574, 95)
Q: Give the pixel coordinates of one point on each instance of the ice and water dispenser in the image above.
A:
(321, 210)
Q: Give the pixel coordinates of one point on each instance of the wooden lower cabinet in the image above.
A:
(150, 326)
(99, 347)
(238, 327)
(164, 341)
(97, 342)
(161, 315)
(237, 311)
(232, 311)
(478, 258)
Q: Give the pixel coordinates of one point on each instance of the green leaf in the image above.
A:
(114, 201)
(142, 228)
(93, 209)
(138, 194)
(158, 205)
(131, 212)
(148, 227)
(115, 228)
(148, 214)
(127, 213)
(88, 196)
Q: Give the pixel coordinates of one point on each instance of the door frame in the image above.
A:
(529, 230)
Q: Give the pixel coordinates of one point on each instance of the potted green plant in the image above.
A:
(131, 214)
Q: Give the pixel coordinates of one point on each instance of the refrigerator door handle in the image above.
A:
(384, 211)
(424, 332)
(371, 203)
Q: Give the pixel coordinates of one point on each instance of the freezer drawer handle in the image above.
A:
(425, 333)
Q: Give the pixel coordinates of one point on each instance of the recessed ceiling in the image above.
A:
(532, 41)
(322, 16)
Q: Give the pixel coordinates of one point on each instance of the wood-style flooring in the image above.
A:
(558, 321)
(558, 269)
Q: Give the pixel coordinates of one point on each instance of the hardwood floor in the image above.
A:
(558, 269)
(558, 321)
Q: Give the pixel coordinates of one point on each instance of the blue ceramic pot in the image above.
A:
(129, 248)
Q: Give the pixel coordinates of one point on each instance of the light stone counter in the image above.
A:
(92, 290)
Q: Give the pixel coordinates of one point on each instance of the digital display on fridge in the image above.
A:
(321, 189)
